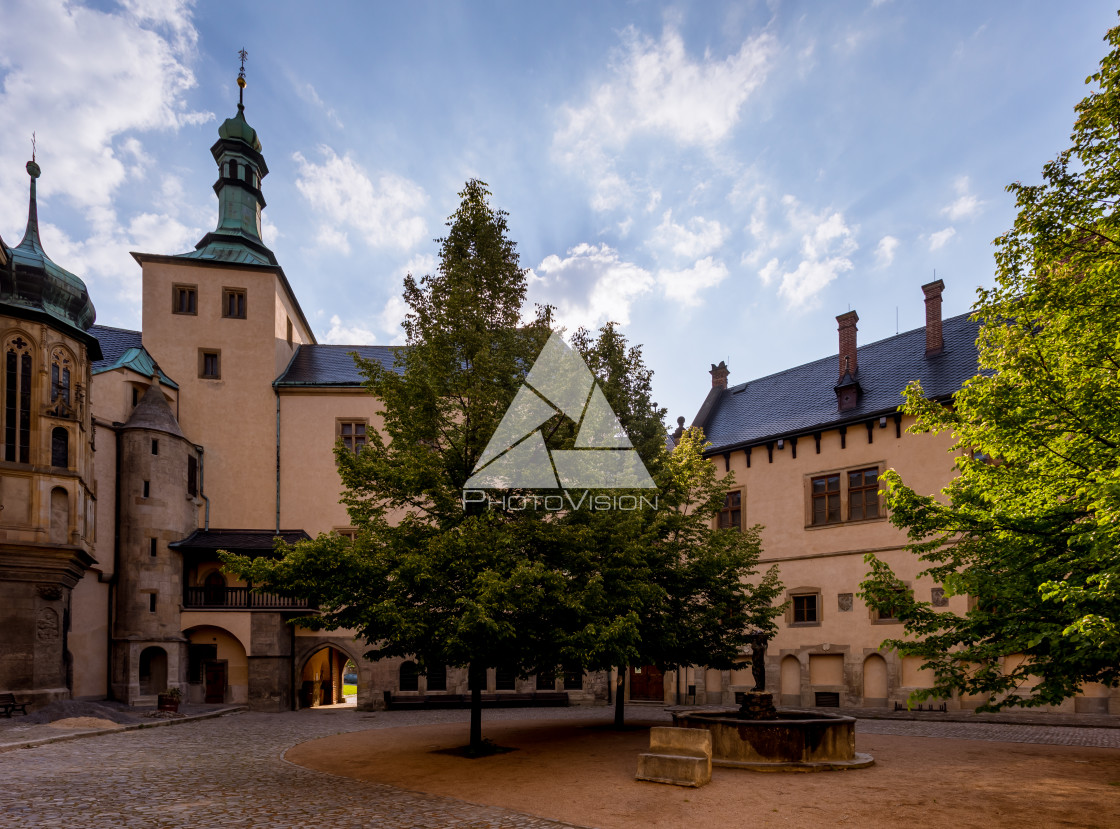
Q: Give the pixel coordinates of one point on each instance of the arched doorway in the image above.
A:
(153, 671)
(217, 666)
(324, 676)
(874, 681)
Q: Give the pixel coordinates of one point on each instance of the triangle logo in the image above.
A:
(516, 456)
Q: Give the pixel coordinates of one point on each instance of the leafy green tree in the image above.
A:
(1030, 529)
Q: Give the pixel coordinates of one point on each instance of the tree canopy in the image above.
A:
(1030, 529)
(447, 581)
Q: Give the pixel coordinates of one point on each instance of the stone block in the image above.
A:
(678, 756)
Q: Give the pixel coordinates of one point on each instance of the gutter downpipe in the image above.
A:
(276, 391)
(202, 483)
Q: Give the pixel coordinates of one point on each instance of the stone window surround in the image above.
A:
(227, 294)
(202, 354)
(874, 614)
(807, 484)
(803, 591)
(176, 302)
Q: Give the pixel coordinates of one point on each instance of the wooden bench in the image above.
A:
(8, 704)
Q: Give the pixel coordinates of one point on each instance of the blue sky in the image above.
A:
(722, 179)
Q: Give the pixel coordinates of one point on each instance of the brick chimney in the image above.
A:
(719, 375)
(847, 323)
(935, 342)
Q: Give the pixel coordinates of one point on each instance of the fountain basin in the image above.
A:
(794, 741)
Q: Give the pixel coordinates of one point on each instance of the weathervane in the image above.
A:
(241, 79)
(32, 146)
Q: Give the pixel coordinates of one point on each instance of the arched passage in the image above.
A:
(153, 671)
(875, 690)
(217, 666)
(323, 678)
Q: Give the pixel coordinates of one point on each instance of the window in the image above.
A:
(346, 532)
(410, 679)
(573, 680)
(437, 678)
(505, 679)
(152, 547)
(135, 396)
(209, 364)
(863, 494)
(233, 303)
(731, 516)
(60, 385)
(353, 434)
(192, 476)
(155, 446)
(147, 489)
(890, 615)
(289, 332)
(151, 602)
(826, 499)
(60, 447)
(805, 609)
(17, 401)
(184, 299)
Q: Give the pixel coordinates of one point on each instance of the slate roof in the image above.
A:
(802, 400)
(212, 540)
(121, 347)
(332, 365)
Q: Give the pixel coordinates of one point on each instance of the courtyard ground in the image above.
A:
(568, 769)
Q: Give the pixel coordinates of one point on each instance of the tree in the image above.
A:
(426, 577)
(661, 586)
(1030, 529)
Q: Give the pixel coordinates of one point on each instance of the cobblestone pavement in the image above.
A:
(229, 772)
(225, 772)
(998, 732)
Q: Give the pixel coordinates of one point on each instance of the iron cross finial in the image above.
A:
(242, 54)
(32, 146)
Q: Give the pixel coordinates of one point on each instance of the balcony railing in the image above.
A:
(239, 598)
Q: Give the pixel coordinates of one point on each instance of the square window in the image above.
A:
(731, 516)
(805, 609)
(209, 364)
(233, 303)
(184, 299)
(353, 434)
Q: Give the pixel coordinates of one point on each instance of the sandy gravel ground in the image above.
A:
(583, 773)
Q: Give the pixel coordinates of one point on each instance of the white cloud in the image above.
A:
(884, 251)
(384, 215)
(685, 286)
(107, 77)
(393, 314)
(965, 204)
(348, 334)
(825, 243)
(308, 93)
(589, 286)
(656, 88)
(937, 240)
(698, 237)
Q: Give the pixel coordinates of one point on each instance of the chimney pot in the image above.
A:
(847, 326)
(719, 375)
(935, 340)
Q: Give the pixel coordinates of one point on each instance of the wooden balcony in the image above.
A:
(239, 598)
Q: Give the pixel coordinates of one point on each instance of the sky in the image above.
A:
(719, 178)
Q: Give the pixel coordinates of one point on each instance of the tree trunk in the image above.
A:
(477, 680)
(620, 698)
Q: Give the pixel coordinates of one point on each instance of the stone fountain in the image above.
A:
(759, 737)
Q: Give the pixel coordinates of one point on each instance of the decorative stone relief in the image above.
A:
(937, 594)
(844, 602)
(47, 625)
(50, 592)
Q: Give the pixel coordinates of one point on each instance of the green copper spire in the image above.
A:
(237, 238)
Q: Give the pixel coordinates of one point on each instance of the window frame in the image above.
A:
(730, 509)
(203, 353)
(826, 496)
(864, 488)
(843, 473)
(796, 593)
(232, 294)
(355, 422)
(192, 306)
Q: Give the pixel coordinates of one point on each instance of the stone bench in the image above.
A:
(680, 756)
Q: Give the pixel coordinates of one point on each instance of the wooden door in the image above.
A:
(647, 683)
(215, 682)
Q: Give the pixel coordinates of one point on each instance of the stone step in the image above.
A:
(676, 769)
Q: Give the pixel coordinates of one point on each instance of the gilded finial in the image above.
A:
(241, 80)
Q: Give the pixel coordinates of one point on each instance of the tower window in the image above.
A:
(209, 364)
(192, 475)
(152, 547)
(60, 447)
(155, 446)
(184, 299)
(17, 401)
(147, 489)
(151, 602)
(233, 303)
(60, 385)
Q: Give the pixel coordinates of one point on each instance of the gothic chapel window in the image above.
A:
(17, 401)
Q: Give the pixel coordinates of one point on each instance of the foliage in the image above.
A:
(1030, 530)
